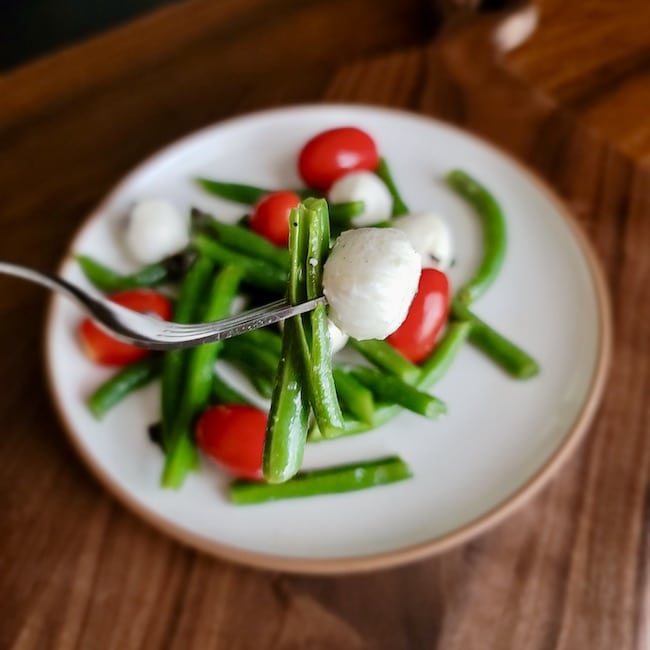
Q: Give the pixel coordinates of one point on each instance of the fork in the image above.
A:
(153, 333)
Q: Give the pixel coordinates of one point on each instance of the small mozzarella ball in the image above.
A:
(338, 339)
(369, 280)
(430, 236)
(366, 187)
(155, 230)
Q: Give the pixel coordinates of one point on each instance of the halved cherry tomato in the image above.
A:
(336, 152)
(103, 348)
(270, 216)
(233, 436)
(417, 335)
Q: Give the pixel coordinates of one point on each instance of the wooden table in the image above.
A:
(568, 571)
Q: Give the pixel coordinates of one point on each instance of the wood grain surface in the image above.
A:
(570, 570)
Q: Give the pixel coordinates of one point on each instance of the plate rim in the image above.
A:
(575, 434)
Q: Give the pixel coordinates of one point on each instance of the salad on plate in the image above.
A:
(390, 329)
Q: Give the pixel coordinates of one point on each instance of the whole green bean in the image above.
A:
(509, 356)
(241, 193)
(109, 281)
(383, 171)
(187, 310)
(386, 357)
(392, 390)
(255, 271)
(330, 480)
(126, 381)
(240, 239)
(198, 381)
(322, 391)
(494, 234)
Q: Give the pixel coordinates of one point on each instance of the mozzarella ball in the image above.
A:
(430, 236)
(369, 280)
(366, 187)
(338, 339)
(155, 230)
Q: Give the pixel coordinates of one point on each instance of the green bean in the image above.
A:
(509, 356)
(399, 207)
(286, 430)
(224, 393)
(322, 391)
(386, 357)
(107, 280)
(255, 271)
(494, 234)
(240, 239)
(126, 381)
(198, 381)
(330, 480)
(240, 193)
(354, 396)
(341, 214)
(393, 390)
(186, 310)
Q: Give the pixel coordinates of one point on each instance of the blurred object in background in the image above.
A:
(29, 28)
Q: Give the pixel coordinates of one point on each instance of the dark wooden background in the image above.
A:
(570, 570)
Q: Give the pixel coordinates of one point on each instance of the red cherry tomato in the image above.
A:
(334, 153)
(271, 216)
(103, 348)
(416, 336)
(233, 436)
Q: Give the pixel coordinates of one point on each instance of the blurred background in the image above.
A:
(30, 28)
(33, 27)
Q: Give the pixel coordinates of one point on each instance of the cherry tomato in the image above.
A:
(103, 348)
(334, 153)
(233, 436)
(271, 216)
(416, 336)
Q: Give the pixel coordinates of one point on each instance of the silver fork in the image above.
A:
(154, 333)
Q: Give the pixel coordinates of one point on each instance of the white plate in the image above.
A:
(501, 439)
